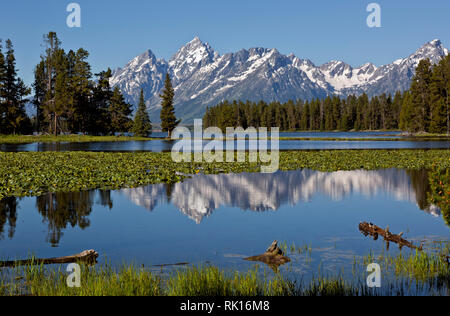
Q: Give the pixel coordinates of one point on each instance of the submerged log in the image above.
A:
(87, 256)
(273, 257)
(375, 231)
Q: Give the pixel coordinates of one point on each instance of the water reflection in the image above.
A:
(8, 214)
(166, 146)
(59, 210)
(201, 195)
(198, 197)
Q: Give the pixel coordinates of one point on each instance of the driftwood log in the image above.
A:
(87, 256)
(375, 231)
(273, 257)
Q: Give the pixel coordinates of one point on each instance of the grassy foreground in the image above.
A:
(36, 173)
(411, 274)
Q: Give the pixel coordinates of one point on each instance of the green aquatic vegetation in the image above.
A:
(36, 173)
(25, 139)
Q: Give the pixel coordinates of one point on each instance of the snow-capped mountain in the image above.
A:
(202, 77)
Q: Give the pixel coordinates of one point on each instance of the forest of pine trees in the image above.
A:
(67, 98)
(423, 108)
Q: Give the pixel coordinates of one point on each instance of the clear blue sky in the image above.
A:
(116, 31)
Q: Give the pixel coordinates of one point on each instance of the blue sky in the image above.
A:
(116, 31)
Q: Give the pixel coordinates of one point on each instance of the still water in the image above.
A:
(164, 145)
(221, 219)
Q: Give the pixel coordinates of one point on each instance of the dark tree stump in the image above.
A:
(273, 257)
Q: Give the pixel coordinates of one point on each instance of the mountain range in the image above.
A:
(202, 77)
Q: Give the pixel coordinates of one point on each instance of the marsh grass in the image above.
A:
(95, 281)
(413, 273)
(426, 270)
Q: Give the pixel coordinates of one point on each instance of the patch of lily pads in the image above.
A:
(36, 173)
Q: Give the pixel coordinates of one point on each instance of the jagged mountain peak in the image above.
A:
(190, 57)
(434, 50)
(367, 68)
(336, 68)
(194, 49)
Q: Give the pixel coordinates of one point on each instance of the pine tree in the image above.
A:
(14, 90)
(142, 126)
(39, 94)
(420, 97)
(304, 120)
(440, 86)
(82, 90)
(2, 90)
(407, 113)
(62, 98)
(168, 120)
(119, 112)
(98, 109)
(52, 49)
(396, 109)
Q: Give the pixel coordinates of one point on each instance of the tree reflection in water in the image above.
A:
(73, 208)
(8, 214)
(59, 210)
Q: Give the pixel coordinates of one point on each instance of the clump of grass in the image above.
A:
(429, 268)
(211, 281)
(98, 281)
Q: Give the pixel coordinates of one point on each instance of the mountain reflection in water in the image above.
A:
(201, 195)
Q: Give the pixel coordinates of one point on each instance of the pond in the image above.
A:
(221, 219)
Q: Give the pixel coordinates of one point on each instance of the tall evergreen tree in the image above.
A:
(14, 93)
(50, 59)
(99, 119)
(39, 95)
(142, 126)
(407, 113)
(439, 88)
(119, 112)
(82, 90)
(420, 97)
(2, 90)
(304, 120)
(62, 99)
(168, 120)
